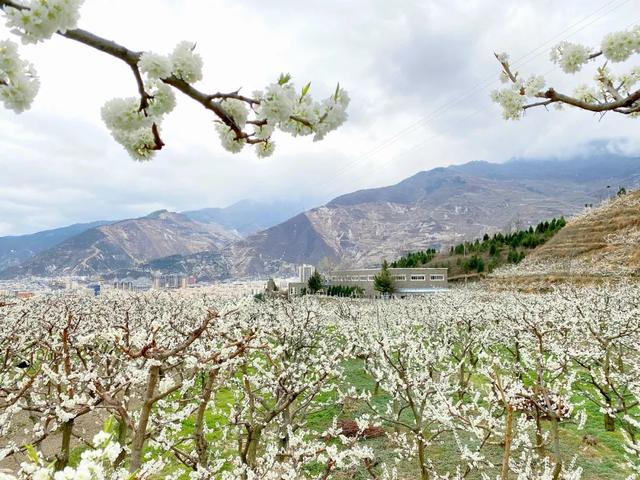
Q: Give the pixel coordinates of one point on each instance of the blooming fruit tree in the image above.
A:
(135, 122)
(612, 91)
(192, 387)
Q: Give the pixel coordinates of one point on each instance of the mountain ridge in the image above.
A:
(432, 208)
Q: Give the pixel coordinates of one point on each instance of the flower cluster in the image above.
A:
(282, 106)
(38, 20)
(610, 91)
(619, 46)
(183, 63)
(19, 83)
(136, 127)
(511, 102)
(570, 56)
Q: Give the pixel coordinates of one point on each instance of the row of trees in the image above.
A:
(415, 259)
(486, 253)
(195, 388)
(526, 238)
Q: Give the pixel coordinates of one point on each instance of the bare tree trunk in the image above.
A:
(539, 435)
(201, 442)
(555, 431)
(424, 473)
(508, 438)
(139, 437)
(65, 448)
(609, 423)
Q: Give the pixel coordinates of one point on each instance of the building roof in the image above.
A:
(421, 290)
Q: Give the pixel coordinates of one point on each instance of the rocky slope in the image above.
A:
(432, 209)
(18, 248)
(600, 242)
(124, 245)
(248, 216)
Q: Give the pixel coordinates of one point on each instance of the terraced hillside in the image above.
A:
(600, 242)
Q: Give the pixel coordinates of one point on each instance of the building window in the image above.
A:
(371, 278)
(400, 278)
(417, 278)
(362, 278)
(437, 277)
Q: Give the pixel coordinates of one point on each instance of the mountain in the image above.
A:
(248, 216)
(16, 249)
(124, 245)
(207, 266)
(245, 217)
(433, 208)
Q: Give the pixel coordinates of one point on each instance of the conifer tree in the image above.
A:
(383, 282)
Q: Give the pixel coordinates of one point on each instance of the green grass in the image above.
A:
(605, 460)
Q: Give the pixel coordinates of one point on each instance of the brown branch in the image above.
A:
(538, 104)
(144, 96)
(625, 105)
(626, 102)
(131, 58)
(304, 122)
(9, 3)
(156, 138)
(234, 95)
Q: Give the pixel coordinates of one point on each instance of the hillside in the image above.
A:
(125, 244)
(432, 209)
(601, 242)
(435, 208)
(16, 249)
(247, 216)
(483, 255)
(243, 218)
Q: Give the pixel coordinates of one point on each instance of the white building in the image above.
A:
(305, 272)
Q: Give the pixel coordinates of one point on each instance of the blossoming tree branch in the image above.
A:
(611, 93)
(136, 122)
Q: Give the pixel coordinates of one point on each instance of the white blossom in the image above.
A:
(511, 102)
(19, 82)
(570, 56)
(228, 138)
(265, 149)
(39, 20)
(619, 46)
(155, 66)
(187, 65)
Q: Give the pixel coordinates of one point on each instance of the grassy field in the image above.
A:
(604, 460)
(601, 458)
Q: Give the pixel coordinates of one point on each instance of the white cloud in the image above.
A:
(419, 73)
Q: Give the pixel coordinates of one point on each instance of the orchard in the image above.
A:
(187, 386)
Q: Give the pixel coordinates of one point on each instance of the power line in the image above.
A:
(490, 80)
(475, 112)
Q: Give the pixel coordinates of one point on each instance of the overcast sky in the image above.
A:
(419, 74)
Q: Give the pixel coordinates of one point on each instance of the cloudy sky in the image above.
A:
(419, 73)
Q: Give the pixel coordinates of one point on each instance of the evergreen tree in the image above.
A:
(383, 282)
(314, 285)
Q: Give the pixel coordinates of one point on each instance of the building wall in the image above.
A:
(295, 288)
(408, 281)
(305, 272)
